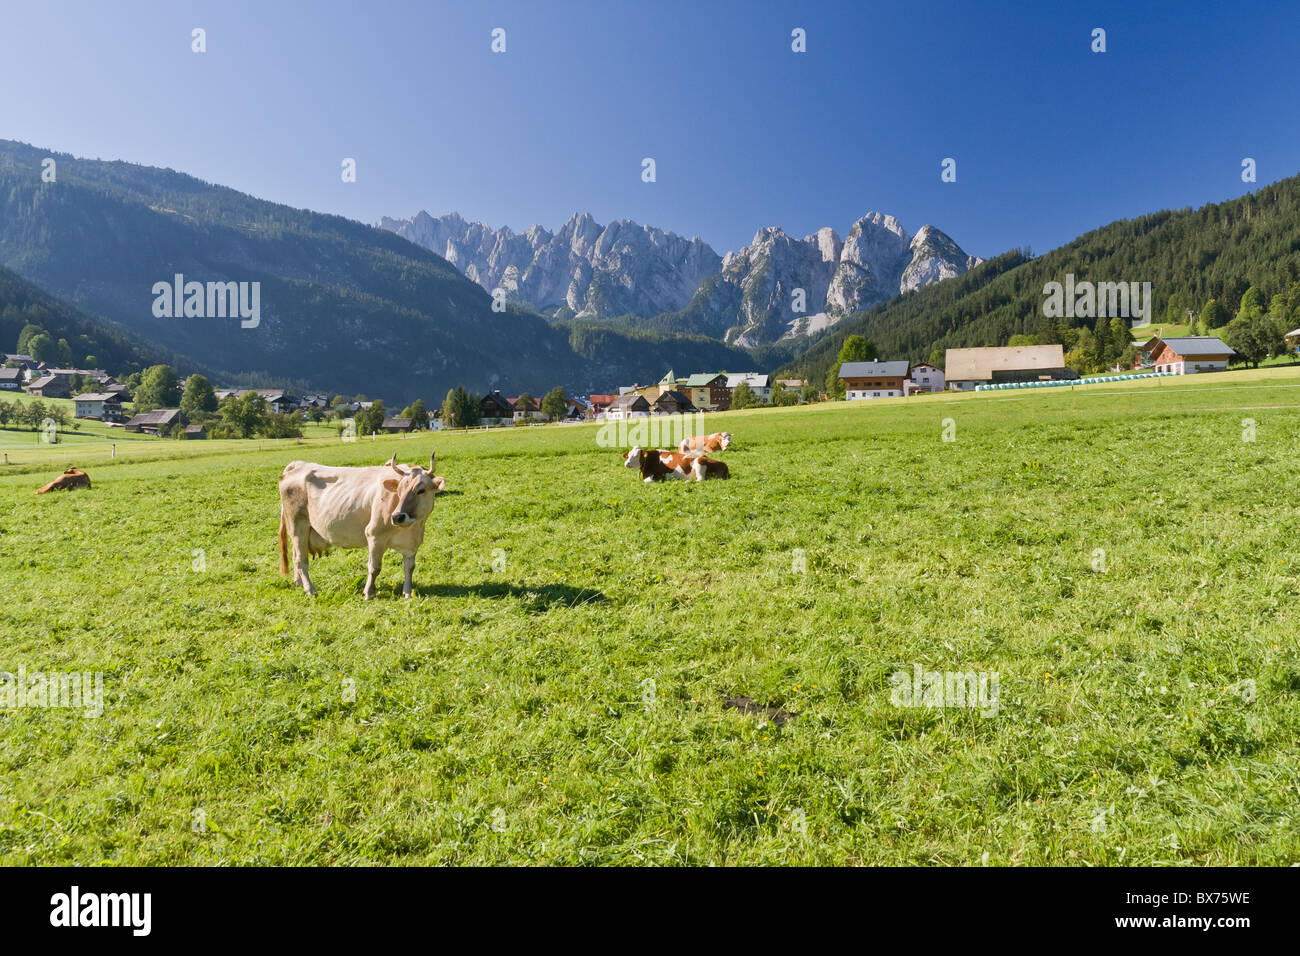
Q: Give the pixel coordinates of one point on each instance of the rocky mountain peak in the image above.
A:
(588, 270)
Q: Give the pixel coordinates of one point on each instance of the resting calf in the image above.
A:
(657, 465)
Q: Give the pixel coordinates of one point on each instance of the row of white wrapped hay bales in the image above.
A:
(1072, 381)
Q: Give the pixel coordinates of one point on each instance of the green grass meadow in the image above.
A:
(1124, 558)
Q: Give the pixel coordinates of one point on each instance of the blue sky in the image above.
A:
(1050, 139)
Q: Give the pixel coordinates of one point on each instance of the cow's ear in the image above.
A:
(439, 484)
(390, 484)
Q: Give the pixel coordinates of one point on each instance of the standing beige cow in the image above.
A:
(378, 507)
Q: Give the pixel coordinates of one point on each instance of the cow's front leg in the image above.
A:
(408, 569)
(373, 566)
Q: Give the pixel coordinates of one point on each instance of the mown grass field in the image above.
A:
(1121, 557)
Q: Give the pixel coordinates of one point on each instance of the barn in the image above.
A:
(967, 368)
(1184, 355)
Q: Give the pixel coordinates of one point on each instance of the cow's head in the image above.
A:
(724, 439)
(414, 490)
(632, 457)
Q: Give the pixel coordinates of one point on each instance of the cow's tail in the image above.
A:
(284, 545)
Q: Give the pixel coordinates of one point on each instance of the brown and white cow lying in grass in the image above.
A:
(718, 441)
(378, 507)
(657, 465)
(71, 479)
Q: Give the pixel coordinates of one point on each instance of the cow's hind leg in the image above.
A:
(301, 535)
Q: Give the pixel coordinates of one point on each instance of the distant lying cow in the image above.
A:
(657, 465)
(378, 507)
(718, 441)
(70, 479)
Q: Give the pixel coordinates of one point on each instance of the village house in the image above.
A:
(533, 411)
(759, 384)
(628, 406)
(396, 424)
(652, 392)
(1185, 355)
(95, 374)
(151, 423)
(277, 399)
(968, 368)
(578, 410)
(49, 386)
(873, 379)
(926, 378)
(104, 406)
(601, 402)
(195, 433)
(11, 379)
(673, 402)
(708, 391)
(495, 409)
(121, 391)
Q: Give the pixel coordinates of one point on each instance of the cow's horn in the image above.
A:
(433, 463)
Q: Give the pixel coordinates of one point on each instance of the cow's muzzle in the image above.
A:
(401, 518)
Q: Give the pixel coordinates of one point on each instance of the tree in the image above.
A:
(743, 397)
(460, 409)
(809, 393)
(245, 416)
(417, 413)
(1175, 309)
(1255, 336)
(25, 337)
(33, 414)
(281, 425)
(1213, 315)
(1121, 337)
(782, 396)
(6, 413)
(43, 348)
(835, 387)
(525, 403)
(469, 411)
(937, 357)
(856, 348)
(1252, 304)
(159, 388)
(370, 421)
(198, 400)
(556, 404)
